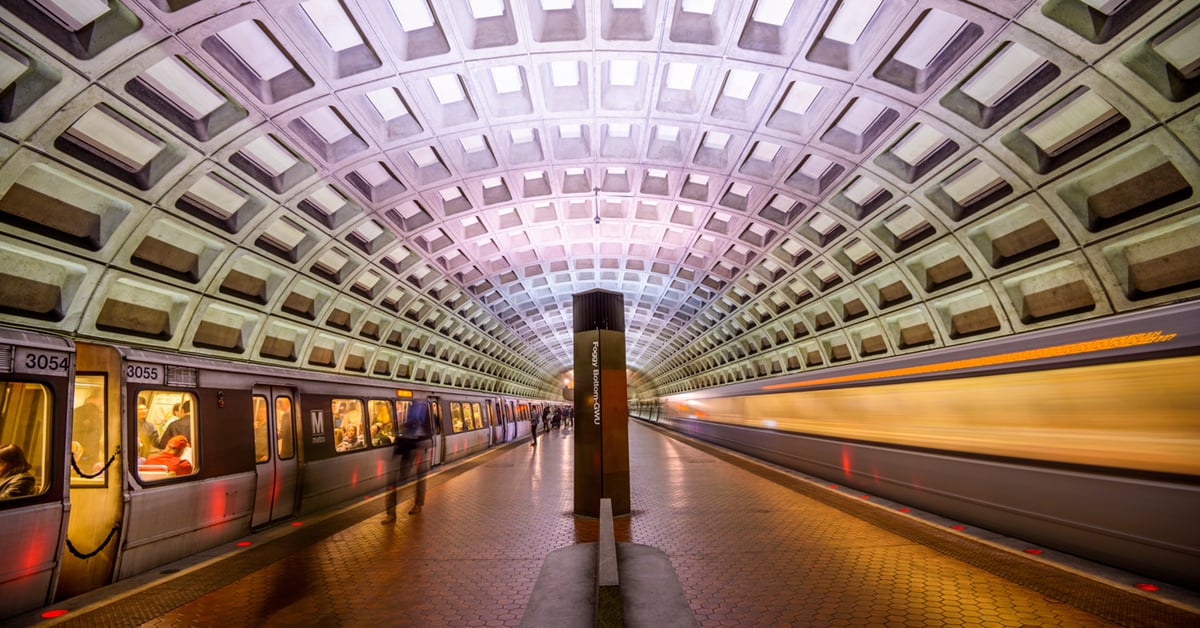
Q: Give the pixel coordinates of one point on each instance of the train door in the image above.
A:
(97, 483)
(274, 417)
(435, 419)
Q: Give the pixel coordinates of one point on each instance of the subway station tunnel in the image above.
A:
(852, 237)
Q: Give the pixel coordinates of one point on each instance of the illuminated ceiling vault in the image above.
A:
(415, 190)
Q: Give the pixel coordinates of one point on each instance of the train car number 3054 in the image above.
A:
(42, 362)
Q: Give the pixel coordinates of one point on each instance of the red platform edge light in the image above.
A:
(244, 543)
(1035, 552)
(958, 527)
(1145, 586)
(58, 612)
(833, 486)
(904, 510)
(297, 524)
(864, 497)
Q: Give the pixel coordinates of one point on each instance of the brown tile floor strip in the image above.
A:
(1122, 607)
(173, 593)
(751, 546)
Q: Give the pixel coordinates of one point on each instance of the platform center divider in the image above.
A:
(609, 585)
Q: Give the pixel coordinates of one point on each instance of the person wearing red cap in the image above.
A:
(169, 457)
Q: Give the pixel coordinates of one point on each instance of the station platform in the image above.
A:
(751, 544)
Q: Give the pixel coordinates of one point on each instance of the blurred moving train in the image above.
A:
(104, 427)
(1084, 438)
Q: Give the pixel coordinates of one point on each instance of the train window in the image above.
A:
(348, 424)
(382, 426)
(478, 412)
(262, 440)
(169, 428)
(89, 448)
(285, 432)
(24, 431)
(456, 417)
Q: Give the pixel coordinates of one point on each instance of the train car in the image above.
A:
(141, 457)
(1084, 438)
(35, 401)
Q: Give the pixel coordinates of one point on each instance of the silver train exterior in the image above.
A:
(265, 445)
(1084, 438)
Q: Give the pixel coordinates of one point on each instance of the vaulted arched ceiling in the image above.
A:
(415, 189)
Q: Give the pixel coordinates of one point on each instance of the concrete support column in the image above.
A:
(601, 411)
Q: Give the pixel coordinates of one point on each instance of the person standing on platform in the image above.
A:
(533, 428)
(407, 452)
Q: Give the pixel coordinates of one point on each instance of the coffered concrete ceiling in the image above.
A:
(414, 189)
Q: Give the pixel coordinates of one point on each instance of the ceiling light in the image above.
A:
(413, 15)
(387, 103)
(564, 73)
(715, 140)
(1182, 50)
(698, 6)
(628, 4)
(473, 143)
(180, 86)
(622, 72)
(933, 33)
(327, 200)
(774, 12)
(557, 5)
(423, 156)
(447, 88)
(327, 124)
(1004, 73)
(919, 144)
(739, 83)
(333, 23)
(482, 9)
(620, 129)
(257, 51)
(73, 15)
(268, 155)
(681, 75)
(507, 79)
(1071, 124)
(851, 20)
(800, 97)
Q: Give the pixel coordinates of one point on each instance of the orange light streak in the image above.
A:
(1089, 346)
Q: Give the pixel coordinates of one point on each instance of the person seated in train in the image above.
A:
(15, 477)
(351, 439)
(179, 424)
(170, 457)
(378, 436)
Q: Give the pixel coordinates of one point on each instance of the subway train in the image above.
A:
(140, 457)
(1084, 439)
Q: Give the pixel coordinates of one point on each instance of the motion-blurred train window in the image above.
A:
(456, 417)
(89, 426)
(478, 412)
(285, 428)
(382, 425)
(24, 430)
(167, 433)
(348, 424)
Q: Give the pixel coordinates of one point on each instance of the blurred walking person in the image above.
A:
(408, 452)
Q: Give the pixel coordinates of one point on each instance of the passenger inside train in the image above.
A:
(15, 478)
(169, 461)
(168, 418)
